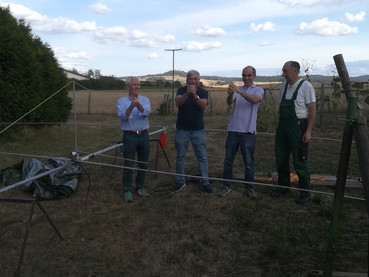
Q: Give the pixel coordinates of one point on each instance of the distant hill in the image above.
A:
(219, 80)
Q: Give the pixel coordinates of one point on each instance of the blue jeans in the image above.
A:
(198, 141)
(246, 142)
(133, 143)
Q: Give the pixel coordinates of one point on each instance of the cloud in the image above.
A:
(153, 55)
(324, 27)
(266, 27)
(100, 8)
(313, 3)
(208, 31)
(195, 46)
(166, 38)
(72, 60)
(143, 42)
(355, 17)
(106, 35)
(136, 38)
(63, 25)
(46, 24)
(265, 43)
(41, 23)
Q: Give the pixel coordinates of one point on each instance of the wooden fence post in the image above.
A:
(322, 98)
(352, 119)
(89, 103)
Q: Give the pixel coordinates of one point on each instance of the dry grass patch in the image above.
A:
(176, 234)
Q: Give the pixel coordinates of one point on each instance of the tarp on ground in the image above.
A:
(58, 184)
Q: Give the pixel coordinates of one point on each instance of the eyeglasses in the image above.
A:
(246, 75)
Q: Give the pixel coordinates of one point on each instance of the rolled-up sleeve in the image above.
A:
(145, 105)
(122, 106)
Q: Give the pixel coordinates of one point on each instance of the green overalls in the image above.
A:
(288, 140)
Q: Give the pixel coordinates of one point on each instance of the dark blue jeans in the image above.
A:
(246, 142)
(132, 144)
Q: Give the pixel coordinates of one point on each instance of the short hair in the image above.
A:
(253, 69)
(193, 72)
(129, 80)
(295, 65)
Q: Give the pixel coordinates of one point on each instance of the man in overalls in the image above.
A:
(297, 112)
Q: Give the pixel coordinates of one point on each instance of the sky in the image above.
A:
(215, 37)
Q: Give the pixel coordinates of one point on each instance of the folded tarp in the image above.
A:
(57, 184)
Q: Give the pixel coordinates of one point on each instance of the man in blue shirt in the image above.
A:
(133, 111)
(242, 129)
(191, 101)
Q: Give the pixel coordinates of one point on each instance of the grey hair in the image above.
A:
(193, 72)
(295, 65)
(129, 80)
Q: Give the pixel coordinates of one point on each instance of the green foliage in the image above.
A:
(268, 111)
(177, 84)
(358, 85)
(363, 93)
(29, 74)
(165, 106)
(102, 83)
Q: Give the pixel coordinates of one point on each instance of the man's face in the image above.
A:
(288, 72)
(134, 87)
(248, 76)
(193, 80)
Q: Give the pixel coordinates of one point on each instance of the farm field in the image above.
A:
(179, 234)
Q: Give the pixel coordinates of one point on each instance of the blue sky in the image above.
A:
(124, 37)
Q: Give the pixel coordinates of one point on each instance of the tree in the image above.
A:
(29, 74)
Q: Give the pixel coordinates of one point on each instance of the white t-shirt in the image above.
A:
(305, 95)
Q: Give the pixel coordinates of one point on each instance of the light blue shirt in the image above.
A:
(136, 121)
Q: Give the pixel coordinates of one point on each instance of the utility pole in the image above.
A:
(173, 50)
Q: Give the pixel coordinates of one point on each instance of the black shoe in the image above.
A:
(251, 193)
(178, 187)
(302, 200)
(207, 188)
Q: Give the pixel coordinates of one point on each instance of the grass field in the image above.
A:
(178, 234)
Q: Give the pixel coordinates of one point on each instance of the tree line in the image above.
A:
(29, 74)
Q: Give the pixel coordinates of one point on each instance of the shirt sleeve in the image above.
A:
(145, 102)
(310, 94)
(122, 106)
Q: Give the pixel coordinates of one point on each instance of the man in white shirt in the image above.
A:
(297, 113)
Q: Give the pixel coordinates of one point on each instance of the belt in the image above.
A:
(136, 132)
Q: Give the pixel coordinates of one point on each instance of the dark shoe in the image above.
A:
(178, 187)
(207, 188)
(251, 193)
(142, 192)
(128, 197)
(302, 200)
(225, 191)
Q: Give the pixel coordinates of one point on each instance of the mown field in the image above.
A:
(179, 234)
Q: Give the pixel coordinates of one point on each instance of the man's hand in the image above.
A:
(233, 88)
(134, 102)
(191, 91)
